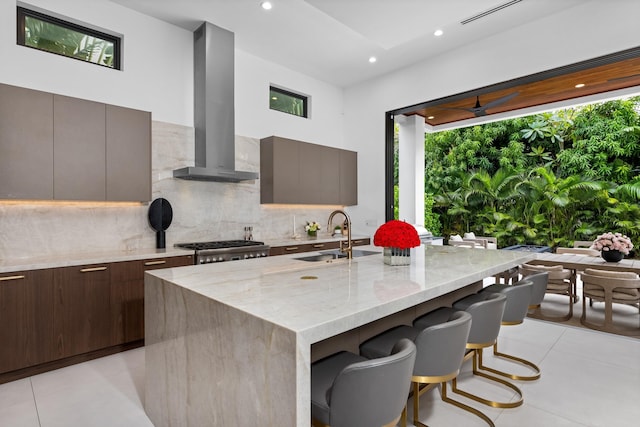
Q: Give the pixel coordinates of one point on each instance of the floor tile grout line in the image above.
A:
(35, 402)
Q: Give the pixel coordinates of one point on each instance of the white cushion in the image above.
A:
(455, 238)
(471, 235)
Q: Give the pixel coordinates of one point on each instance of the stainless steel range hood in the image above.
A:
(214, 108)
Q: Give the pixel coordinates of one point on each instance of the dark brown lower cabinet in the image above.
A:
(81, 309)
(56, 317)
(127, 295)
(26, 319)
(309, 247)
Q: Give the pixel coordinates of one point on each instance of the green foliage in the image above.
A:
(431, 219)
(64, 41)
(547, 179)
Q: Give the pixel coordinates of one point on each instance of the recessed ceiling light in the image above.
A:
(266, 5)
(438, 33)
(372, 59)
(275, 98)
(430, 117)
(579, 85)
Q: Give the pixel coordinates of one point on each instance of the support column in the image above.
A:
(411, 168)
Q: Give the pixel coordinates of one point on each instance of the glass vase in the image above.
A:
(397, 256)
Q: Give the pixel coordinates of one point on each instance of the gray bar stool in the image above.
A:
(350, 390)
(561, 281)
(539, 281)
(486, 311)
(518, 301)
(441, 347)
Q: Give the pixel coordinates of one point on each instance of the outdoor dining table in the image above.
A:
(581, 262)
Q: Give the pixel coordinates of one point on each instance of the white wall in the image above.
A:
(158, 77)
(255, 119)
(593, 29)
(158, 69)
(158, 74)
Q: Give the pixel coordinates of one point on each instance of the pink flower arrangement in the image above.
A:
(613, 242)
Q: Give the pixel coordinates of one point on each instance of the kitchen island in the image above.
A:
(231, 343)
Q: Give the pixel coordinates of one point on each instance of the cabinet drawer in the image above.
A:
(361, 242)
(305, 247)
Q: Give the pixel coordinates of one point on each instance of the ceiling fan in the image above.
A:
(481, 110)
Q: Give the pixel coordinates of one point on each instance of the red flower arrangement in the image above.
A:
(396, 234)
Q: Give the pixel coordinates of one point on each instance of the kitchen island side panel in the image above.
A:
(210, 364)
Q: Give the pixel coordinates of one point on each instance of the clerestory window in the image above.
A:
(48, 33)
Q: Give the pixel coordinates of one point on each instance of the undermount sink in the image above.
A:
(328, 256)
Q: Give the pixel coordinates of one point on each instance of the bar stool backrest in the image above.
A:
(366, 392)
(539, 286)
(441, 347)
(486, 316)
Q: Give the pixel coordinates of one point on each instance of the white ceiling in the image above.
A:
(332, 40)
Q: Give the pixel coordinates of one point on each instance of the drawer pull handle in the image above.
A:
(319, 245)
(7, 278)
(357, 242)
(292, 248)
(164, 261)
(92, 269)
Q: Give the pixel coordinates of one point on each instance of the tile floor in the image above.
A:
(588, 378)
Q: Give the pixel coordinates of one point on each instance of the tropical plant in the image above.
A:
(64, 41)
(546, 179)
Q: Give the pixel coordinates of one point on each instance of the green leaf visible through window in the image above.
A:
(287, 102)
(54, 35)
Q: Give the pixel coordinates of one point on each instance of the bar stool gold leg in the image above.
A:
(476, 356)
(532, 365)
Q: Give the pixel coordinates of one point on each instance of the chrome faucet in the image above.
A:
(349, 245)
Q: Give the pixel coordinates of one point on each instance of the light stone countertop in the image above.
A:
(99, 257)
(318, 300)
(84, 258)
(303, 239)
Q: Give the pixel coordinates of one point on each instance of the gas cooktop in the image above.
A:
(222, 244)
(225, 250)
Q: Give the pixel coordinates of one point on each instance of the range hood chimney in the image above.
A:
(214, 117)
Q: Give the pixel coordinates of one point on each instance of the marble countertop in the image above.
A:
(83, 258)
(98, 257)
(321, 299)
(303, 239)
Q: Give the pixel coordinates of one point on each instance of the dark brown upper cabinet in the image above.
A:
(55, 147)
(296, 172)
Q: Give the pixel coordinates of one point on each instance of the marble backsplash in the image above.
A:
(201, 210)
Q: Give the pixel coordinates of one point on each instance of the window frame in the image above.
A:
(22, 12)
(286, 92)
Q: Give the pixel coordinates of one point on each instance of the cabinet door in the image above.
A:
(127, 302)
(26, 319)
(26, 143)
(127, 295)
(348, 178)
(128, 154)
(82, 309)
(279, 170)
(319, 181)
(79, 154)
